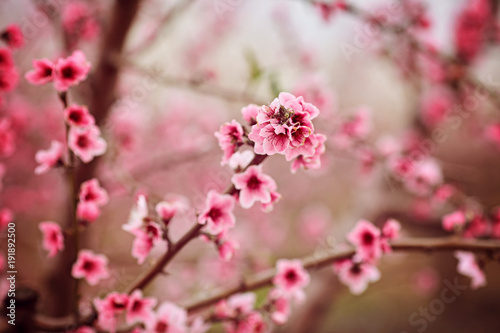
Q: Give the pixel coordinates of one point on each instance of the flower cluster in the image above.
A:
(65, 72)
(239, 314)
(370, 243)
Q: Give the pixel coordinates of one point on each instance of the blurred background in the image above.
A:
(190, 65)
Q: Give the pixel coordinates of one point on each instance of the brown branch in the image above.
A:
(175, 247)
(319, 260)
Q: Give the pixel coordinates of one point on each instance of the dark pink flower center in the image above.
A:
(76, 116)
(215, 214)
(118, 305)
(161, 327)
(47, 71)
(88, 265)
(136, 306)
(367, 238)
(254, 183)
(355, 270)
(68, 72)
(291, 276)
(83, 141)
(90, 196)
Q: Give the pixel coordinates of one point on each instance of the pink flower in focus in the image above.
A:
(227, 249)
(454, 220)
(291, 277)
(230, 137)
(355, 275)
(91, 191)
(78, 115)
(469, 266)
(169, 318)
(53, 239)
(13, 36)
(42, 73)
(218, 213)
(139, 308)
(366, 238)
(86, 142)
(316, 142)
(70, 71)
(254, 186)
(87, 211)
(49, 158)
(90, 266)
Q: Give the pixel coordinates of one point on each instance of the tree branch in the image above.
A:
(325, 258)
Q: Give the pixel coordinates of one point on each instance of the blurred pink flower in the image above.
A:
(50, 158)
(78, 115)
(90, 266)
(469, 266)
(53, 239)
(86, 142)
(70, 71)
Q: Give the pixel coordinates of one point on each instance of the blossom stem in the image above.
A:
(325, 258)
(175, 247)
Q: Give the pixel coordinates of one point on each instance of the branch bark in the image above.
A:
(319, 260)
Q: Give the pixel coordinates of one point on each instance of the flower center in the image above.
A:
(291, 276)
(82, 141)
(253, 183)
(215, 214)
(161, 327)
(68, 72)
(88, 266)
(368, 238)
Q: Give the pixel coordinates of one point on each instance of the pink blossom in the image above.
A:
(145, 240)
(283, 125)
(250, 112)
(91, 191)
(90, 266)
(6, 217)
(291, 277)
(469, 266)
(227, 249)
(6, 60)
(328, 9)
(454, 220)
(87, 211)
(443, 193)
(86, 142)
(13, 36)
(230, 137)
(478, 227)
(78, 115)
(356, 275)
(252, 323)
(425, 177)
(166, 210)
(390, 231)
(275, 197)
(7, 138)
(70, 71)
(253, 186)
(42, 73)
(314, 143)
(239, 304)
(139, 308)
(109, 308)
(218, 213)
(366, 238)
(49, 158)
(53, 239)
(169, 318)
(281, 306)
